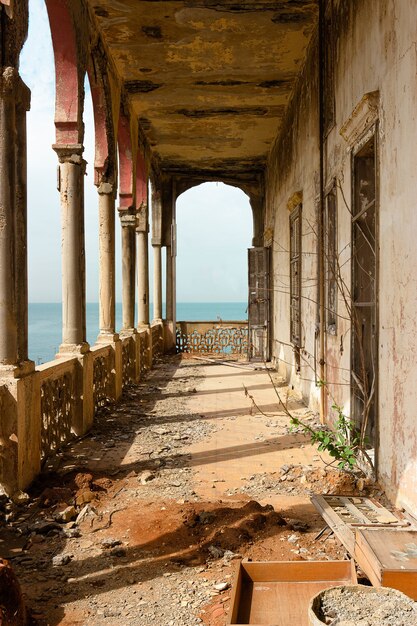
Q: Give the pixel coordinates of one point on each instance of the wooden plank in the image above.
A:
(367, 561)
(236, 593)
(297, 571)
(403, 581)
(339, 527)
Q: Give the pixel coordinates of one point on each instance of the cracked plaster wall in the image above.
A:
(375, 51)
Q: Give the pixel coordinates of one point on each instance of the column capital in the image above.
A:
(142, 223)
(12, 86)
(104, 188)
(127, 219)
(70, 153)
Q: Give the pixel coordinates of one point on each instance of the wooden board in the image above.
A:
(346, 513)
(388, 558)
(278, 593)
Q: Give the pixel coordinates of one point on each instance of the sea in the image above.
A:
(45, 322)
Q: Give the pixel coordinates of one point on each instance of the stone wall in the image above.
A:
(375, 83)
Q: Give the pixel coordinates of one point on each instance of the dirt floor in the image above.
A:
(144, 521)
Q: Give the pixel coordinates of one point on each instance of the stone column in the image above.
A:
(169, 303)
(157, 283)
(20, 423)
(107, 296)
(71, 187)
(8, 270)
(128, 222)
(142, 230)
(71, 173)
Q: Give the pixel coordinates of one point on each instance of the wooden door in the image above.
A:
(258, 305)
(364, 355)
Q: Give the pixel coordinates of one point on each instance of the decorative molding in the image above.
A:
(295, 200)
(268, 236)
(363, 116)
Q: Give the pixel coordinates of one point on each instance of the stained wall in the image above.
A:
(375, 51)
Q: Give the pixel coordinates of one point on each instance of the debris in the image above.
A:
(60, 560)
(109, 542)
(216, 552)
(145, 477)
(67, 514)
(87, 511)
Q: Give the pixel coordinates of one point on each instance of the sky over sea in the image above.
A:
(214, 220)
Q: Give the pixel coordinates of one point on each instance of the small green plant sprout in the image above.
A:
(342, 442)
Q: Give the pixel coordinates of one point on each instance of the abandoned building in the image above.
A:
(307, 106)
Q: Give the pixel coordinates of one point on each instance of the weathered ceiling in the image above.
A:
(209, 81)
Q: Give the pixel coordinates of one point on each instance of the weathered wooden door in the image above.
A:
(365, 293)
(258, 305)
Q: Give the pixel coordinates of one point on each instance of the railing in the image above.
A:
(128, 361)
(102, 376)
(57, 381)
(144, 352)
(157, 332)
(56, 402)
(230, 337)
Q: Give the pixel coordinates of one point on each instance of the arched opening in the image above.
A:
(44, 241)
(90, 218)
(214, 231)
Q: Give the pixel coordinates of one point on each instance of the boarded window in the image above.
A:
(295, 281)
(330, 260)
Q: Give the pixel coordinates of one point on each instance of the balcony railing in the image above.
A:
(224, 337)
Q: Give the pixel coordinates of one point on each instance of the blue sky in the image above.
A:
(214, 220)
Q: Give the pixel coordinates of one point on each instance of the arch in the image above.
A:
(69, 89)
(141, 181)
(213, 234)
(124, 141)
(253, 189)
(105, 145)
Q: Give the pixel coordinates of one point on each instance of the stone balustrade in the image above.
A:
(65, 395)
(221, 337)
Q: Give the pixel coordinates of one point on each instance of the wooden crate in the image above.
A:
(277, 593)
(389, 558)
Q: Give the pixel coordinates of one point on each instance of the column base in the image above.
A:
(73, 349)
(127, 332)
(109, 337)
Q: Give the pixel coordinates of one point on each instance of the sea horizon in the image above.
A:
(45, 322)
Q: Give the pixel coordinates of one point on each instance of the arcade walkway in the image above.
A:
(141, 521)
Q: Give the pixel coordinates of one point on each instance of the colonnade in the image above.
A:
(22, 385)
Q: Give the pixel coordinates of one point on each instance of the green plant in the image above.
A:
(343, 442)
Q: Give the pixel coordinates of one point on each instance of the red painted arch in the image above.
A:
(67, 104)
(124, 141)
(101, 124)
